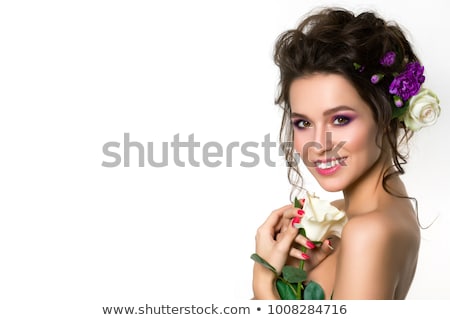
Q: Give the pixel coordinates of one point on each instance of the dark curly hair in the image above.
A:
(330, 41)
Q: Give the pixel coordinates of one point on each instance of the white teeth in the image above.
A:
(328, 164)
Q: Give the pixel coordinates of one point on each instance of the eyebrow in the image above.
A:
(326, 112)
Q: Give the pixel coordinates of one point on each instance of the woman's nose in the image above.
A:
(323, 141)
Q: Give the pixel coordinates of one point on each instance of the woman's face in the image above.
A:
(334, 130)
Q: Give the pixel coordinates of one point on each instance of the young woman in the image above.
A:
(352, 94)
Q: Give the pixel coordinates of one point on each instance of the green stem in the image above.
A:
(301, 231)
(288, 284)
(301, 265)
(299, 291)
(303, 249)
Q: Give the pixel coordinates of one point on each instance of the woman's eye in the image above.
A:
(341, 120)
(302, 124)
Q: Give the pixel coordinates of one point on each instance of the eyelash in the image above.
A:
(303, 124)
(297, 124)
(346, 120)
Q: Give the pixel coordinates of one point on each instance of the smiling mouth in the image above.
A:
(330, 163)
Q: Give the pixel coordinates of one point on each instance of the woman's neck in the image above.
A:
(367, 194)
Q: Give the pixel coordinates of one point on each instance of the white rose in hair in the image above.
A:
(423, 110)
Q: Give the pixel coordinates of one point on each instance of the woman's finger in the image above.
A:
(288, 215)
(297, 253)
(272, 223)
(305, 242)
(292, 212)
(283, 244)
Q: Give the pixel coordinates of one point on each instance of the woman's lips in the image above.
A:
(329, 166)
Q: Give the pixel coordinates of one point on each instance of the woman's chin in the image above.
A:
(331, 187)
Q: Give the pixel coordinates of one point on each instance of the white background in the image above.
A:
(77, 74)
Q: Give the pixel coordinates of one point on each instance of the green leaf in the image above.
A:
(302, 232)
(297, 203)
(313, 291)
(263, 262)
(356, 65)
(398, 112)
(286, 291)
(293, 274)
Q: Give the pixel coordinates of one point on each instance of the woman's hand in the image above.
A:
(273, 242)
(275, 236)
(279, 243)
(314, 255)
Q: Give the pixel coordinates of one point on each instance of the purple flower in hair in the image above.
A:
(416, 70)
(407, 84)
(397, 101)
(388, 59)
(376, 78)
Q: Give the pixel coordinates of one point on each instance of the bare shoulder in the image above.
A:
(386, 231)
(377, 255)
(373, 224)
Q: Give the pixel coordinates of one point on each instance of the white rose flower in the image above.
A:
(321, 219)
(423, 110)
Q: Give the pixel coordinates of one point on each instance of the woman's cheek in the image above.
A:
(302, 145)
(299, 142)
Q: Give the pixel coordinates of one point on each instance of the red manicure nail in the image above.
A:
(295, 220)
(305, 256)
(300, 212)
(329, 244)
(310, 244)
